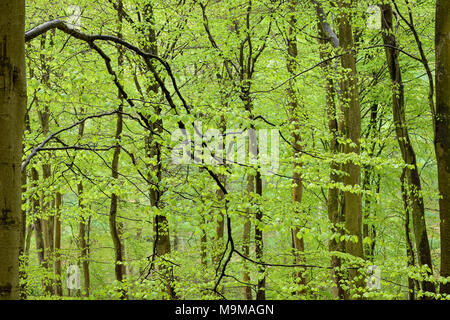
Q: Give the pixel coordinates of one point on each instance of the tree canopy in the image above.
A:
(238, 149)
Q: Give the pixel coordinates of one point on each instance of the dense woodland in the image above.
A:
(357, 205)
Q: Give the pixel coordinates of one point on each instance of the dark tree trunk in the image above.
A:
(413, 186)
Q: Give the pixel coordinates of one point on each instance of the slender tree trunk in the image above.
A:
(352, 131)
(442, 134)
(12, 112)
(413, 187)
(113, 225)
(84, 245)
(203, 244)
(57, 265)
(246, 240)
(175, 241)
(254, 152)
(38, 222)
(161, 242)
(259, 243)
(259, 239)
(298, 245)
(246, 251)
(44, 115)
(47, 220)
(39, 234)
(22, 255)
(220, 225)
(335, 201)
(409, 246)
(370, 180)
(83, 227)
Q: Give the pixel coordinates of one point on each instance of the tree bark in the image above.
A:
(442, 134)
(84, 226)
(259, 242)
(153, 147)
(113, 225)
(44, 115)
(23, 255)
(12, 112)
(246, 241)
(352, 131)
(370, 179)
(259, 237)
(57, 265)
(335, 200)
(84, 245)
(39, 233)
(413, 186)
(410, 256)
(298, 245)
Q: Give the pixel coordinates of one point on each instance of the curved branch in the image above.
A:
(53, 135)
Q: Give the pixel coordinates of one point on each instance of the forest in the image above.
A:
(225, 150)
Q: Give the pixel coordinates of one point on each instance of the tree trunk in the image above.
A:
(370, 179)
(246, 241)
(84, 246)
(114, 227)
(57, 266)
(12, 112)
(39, 233)
(335, 199)
(153, 150)
(259, 239)
(203, 244)
(259, 242)
(442, 134)
(352, 131)
(220, 225)
(83, 227)
(47, 218)
(298, 245)
(413, 186)
(409, 246)
(23, 256)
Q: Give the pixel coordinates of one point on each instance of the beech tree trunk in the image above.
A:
(161, 242)
(22, 254)
(413, 186)
(246, 243)
(12, 112)
(335, 201)
(370, 180)
(442, 134)
(47, 219)
(114, 227)
(298, 245)
(352, 131)
(257, 181)
(259, 243)
(39, 232)
(410, 256)
(57, 265)
(84, 245)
